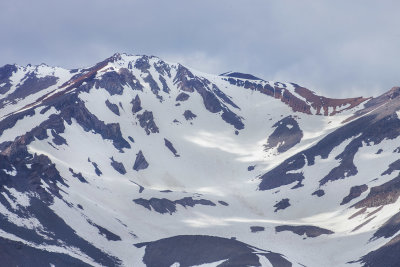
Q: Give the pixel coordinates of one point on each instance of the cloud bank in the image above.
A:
(338, 48)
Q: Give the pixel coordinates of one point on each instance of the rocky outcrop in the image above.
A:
(186, 81)
(146, 121)
(5, 74)
(240, 75)
(308, 230)
(113, 107)
(31, 85)
(384, 194)
(171, 147)
(302, 99)
(255, 229)
(355, 192)
(153, 85)
(281, 205)
(163, 205)
(136, 104)
(114, 81)
(318, 193)
(386, 255)
(380, 124)
(389, 228)
(193, 250)
(118, 166)
(189, 115)
(140, 162)
(182, 97)
(286, 135)
(79, 176)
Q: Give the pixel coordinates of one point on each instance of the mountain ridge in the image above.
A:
(134, 150)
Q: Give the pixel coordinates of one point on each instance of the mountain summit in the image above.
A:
(139, 162)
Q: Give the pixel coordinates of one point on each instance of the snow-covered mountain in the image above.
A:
(140, 162)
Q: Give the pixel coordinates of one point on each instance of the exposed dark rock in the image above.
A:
(75, 108)
(319, 193)
(165, 87)
(58, 139)
(233, 119)
(382, 123)
(308, 230)
(359, 212)
(131, 139)
(282, 175)
(153, 85)
(14, 253)
(5, 74)
(286, 135)
(169, 145)
(106, 233)
(52, 224)
(136, 104)
(140, 162)
(113, 107)
(277, 260)
(255, 229)
(223, 203)
(250, 168)
(78, 175)
(240, 75)
(384, 194)
(223, 96)
(281, 205)
(190, 202)
(379, 151)
(182, 97)
(355, 192)
(394, 166)
(96, 169)
(146, 121)
(142, 63)
(186, 81)
(41, 171)
(387, 255)
(319, 103)
(118, 166)
(193, 250)
(31, 84)
(162, 68)
(114, 82)
(10, 121)
(189, 115)
(163, 205)
(389, 228)
(374, 212)
(358, 227)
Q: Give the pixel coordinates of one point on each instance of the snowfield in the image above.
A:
(145, 183)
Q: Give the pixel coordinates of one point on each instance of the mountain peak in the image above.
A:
(134, 150)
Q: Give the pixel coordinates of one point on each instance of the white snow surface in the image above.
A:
(212, 165)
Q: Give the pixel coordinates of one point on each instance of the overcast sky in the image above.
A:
(338, 48)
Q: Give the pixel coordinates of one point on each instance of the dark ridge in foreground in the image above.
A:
(190, 250)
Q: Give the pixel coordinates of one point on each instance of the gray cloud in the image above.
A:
(339, 48)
